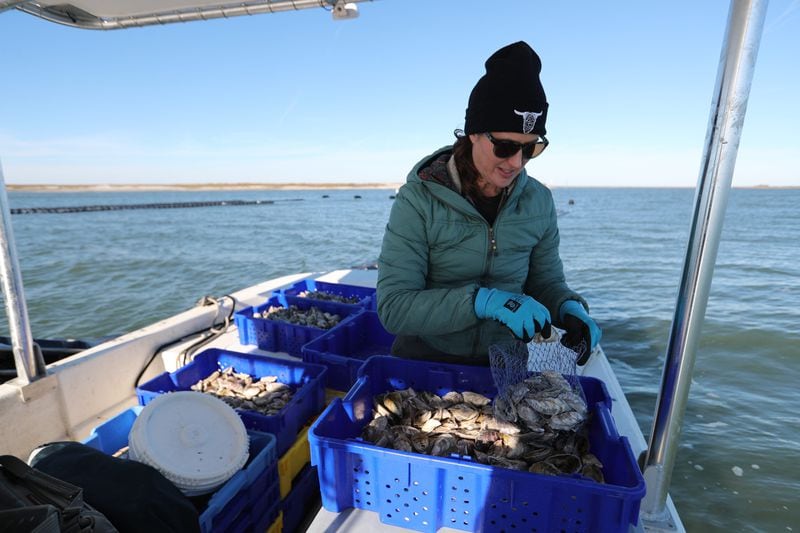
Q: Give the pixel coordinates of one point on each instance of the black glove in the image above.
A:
(583, 334)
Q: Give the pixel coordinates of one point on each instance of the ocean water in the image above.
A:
(90, 275)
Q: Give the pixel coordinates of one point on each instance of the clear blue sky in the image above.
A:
(300, 97)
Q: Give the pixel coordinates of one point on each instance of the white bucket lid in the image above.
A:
(195, 440)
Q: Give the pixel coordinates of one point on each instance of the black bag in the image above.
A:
(134, 496)
(32, 501)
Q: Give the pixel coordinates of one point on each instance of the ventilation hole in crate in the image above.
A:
(493, 522)
(494, 506)
(358, 501)
(466, 512)
(535, 513)
(388, 515)
(424, 522)
(466, 501)
(396, 495)
(416, 499)
(388, 501)
(452, 499)
(369, 503)
(504, 500)
(405, 489)
(416, 513)
(453, 520)
(405, 505)
(416, 483)
(466, 490)
(466, 523)
(523, 520)
(461, 478)
(388, 486)
(358, 491)
(396, 510)
(424, 507)
(369, 493)
(407, 519)
(424, 492)
(396, 480)
(514, 509)
(367, 482)
(524, 504)
(503, 516)
(454, 488)
(366, 472)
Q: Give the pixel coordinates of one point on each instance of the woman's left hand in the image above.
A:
(581, 330)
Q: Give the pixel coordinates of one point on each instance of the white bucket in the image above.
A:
(195, 440)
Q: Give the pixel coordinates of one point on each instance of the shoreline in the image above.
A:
(145, 187)
(128, 187)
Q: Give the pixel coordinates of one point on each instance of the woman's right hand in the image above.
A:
(523, 315)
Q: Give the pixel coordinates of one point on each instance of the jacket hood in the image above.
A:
(437, 172)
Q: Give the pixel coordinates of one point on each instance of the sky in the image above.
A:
(299, 97)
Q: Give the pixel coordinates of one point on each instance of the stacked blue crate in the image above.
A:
(426, 493)
(364, 296)
(279, 336)
(307, 380)
(345, 348)
(244, 502)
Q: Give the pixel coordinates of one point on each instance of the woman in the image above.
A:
(470, 253)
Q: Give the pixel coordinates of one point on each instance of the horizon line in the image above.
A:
(99, 187)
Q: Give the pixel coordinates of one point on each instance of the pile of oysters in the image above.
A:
(312, 316)
(329, 297)
(537, 425)
(266, 395)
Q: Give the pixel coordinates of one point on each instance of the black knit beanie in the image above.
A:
(509, 97)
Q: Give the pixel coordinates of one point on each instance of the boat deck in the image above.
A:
(85, 390)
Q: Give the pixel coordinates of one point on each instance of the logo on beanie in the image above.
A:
(528, 120)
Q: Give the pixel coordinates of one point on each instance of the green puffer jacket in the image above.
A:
(438, 250)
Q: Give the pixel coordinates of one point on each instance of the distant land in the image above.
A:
(107, 187)
(194, 187)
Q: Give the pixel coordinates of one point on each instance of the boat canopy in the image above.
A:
(104, 15)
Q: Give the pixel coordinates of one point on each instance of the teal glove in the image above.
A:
(581, 329)
(523, 315)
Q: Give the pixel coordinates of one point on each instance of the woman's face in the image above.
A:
(495, 173)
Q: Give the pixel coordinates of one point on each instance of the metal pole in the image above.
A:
(27, 356)
(737, 62)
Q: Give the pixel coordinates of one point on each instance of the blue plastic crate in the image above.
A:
(278, 336)
(232, 507)
(426, 493)
(296, 505)
(306, 379)
(365, 295)
(345, 348)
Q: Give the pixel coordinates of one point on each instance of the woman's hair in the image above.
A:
(462, 153)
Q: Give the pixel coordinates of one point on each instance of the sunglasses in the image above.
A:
(503, 149)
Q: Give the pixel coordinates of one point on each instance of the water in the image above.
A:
(94, 274)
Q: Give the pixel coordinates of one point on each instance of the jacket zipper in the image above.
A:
(492, 252)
